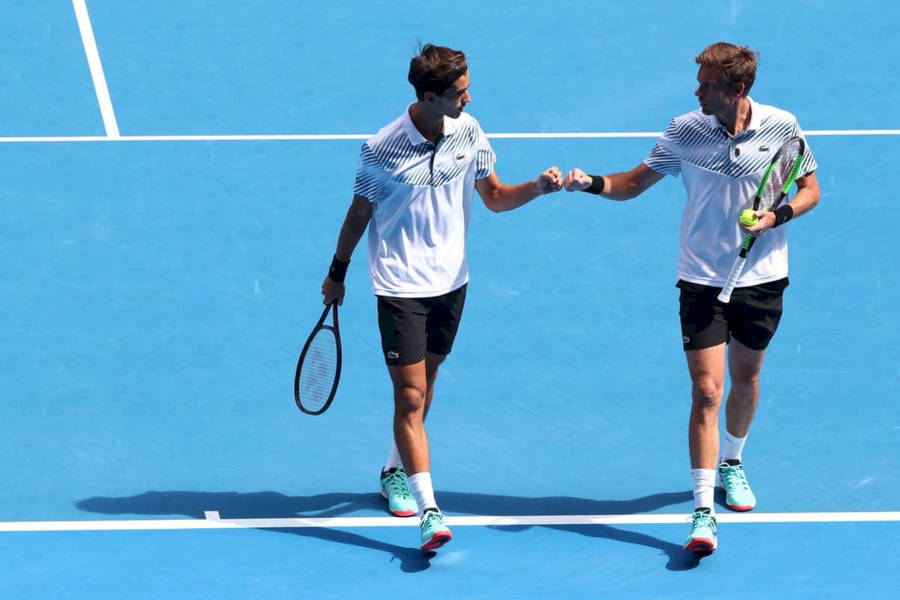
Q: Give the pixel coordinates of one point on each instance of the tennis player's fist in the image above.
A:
(577, 180)
(550, 181)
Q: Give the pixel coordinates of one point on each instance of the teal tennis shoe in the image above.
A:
(395, 489)
(738, 495)
(703, 532)
(435, 532)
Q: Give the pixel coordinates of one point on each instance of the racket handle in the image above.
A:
(736, 269)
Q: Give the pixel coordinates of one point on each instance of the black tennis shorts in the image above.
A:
(751, 317)
(410, 326)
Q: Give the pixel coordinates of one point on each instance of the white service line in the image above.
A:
(211, 522)
(365, 136)
(93, 58)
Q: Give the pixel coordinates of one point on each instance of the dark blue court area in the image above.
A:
(157, 287)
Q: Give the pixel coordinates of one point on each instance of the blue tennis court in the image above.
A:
(164, 243)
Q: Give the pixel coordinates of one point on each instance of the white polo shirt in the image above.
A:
(721, 174)
(422, 199)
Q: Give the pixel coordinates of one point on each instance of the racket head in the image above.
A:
(319, 366)
(780, 174)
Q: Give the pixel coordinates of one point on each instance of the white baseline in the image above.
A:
(214, 522)
(365, 136)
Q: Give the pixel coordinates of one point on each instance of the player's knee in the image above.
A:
(707, 393)
(747, 383)
(409, 399)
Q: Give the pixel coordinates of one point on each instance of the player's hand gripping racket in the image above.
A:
(319, 367)
(772, 190)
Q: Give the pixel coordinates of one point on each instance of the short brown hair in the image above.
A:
(435, 68)
(737, 63)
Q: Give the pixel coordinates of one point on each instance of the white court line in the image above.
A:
(93, 58)
(365, 136)
(351, 522)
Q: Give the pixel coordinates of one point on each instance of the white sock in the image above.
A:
(733, 446)
(420, 486)
(393, 458)
(704, 488)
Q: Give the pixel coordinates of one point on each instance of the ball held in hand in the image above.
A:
(749, 218)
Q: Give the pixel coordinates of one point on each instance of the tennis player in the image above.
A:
(414, 189)
(721, 149)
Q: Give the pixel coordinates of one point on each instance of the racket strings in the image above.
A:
(781, 173)
(319, 370)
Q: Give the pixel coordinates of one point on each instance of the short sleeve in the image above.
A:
(484, 155)
(665, 157)
(369, 175)
(809, 163)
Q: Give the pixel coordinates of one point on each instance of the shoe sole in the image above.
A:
(700, 545)
(397, 513)
(437, 540)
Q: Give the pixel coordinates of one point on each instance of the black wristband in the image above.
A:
(783, 214)
(597, 184)
(338, 270)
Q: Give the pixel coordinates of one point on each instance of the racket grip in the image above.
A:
(736, 269)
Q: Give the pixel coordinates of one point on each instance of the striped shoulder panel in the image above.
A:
(684, 135)
(391, 147)
(709, 147)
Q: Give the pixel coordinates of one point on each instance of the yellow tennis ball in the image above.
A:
(749, 218)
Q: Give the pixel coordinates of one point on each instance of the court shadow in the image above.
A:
(261, 505)
(264, 505)
(488, 504)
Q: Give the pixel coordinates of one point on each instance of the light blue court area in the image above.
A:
(46, 82)
(570, 562)
(156, 294)
(270, 67)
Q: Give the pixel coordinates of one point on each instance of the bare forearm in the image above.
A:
(805, 200)
(500, 197)
(617, 186)
(351, 232)
(620, 186)
(510, 197)
(355, 223)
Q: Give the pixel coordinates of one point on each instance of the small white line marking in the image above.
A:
(365, 136)
(459, 521)
(93, 58)
(212, 515)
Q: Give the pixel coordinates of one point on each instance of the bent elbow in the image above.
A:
(493, 203)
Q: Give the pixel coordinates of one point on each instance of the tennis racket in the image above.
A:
(772, 190)
(319, 366)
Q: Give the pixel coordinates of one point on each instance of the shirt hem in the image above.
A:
(741, 284)
(418, 293)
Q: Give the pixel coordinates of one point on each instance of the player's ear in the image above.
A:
(429, 97)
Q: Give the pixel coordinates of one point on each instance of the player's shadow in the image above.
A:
(489, 504)
(263, 505)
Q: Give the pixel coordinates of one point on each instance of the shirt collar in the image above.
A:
(755, 115)
(415, 137)
(755, 118)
